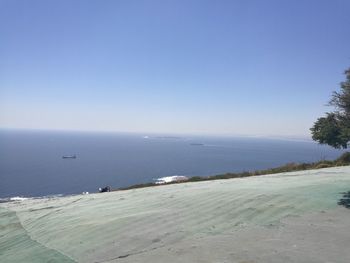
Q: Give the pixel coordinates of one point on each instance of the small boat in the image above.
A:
(69, 157)
(197, 144)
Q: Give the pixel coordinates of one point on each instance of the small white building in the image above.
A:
(171, 179)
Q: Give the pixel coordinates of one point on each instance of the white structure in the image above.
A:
(170, 179)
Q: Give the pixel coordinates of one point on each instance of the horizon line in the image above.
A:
(294, 137)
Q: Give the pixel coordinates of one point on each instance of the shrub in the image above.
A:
(344, 158)
(323, 165)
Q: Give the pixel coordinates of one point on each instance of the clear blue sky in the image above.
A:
(208, 67)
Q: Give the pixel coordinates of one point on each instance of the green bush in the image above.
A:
(344, 158)
(323, 165)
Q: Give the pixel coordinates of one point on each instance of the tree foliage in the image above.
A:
(334, 128)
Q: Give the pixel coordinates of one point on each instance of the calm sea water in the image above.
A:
(31, 162)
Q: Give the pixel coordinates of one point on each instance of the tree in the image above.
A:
(334, 128)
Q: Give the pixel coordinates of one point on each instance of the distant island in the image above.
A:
(168, 137)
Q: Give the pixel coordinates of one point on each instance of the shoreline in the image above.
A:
(343, 160)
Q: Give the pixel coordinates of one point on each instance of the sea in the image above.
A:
(31, 163)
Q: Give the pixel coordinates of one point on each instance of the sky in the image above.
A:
(238, 67)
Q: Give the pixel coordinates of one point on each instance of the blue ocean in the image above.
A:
(31, 162)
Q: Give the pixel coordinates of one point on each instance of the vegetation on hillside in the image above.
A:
(343, 160)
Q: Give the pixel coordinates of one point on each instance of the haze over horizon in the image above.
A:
(254, 68)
